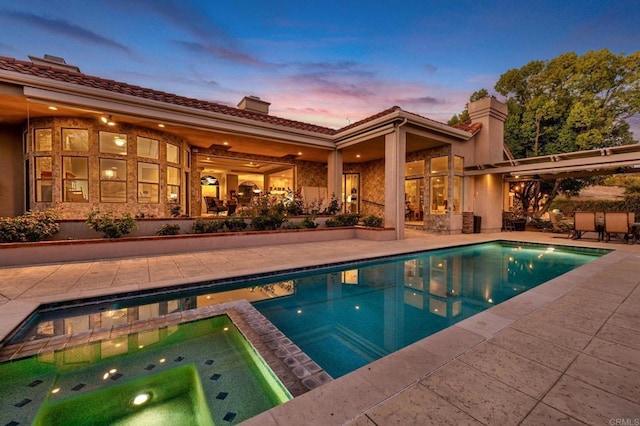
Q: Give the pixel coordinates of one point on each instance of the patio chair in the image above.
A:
(214, 205)
(560, 226)
(616, 224)
(583, 222)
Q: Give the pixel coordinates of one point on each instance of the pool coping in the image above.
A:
(295, 370)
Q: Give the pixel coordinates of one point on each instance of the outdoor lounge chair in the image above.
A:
(583, 222)
(214, 205)
(560, 226)
(617, 224)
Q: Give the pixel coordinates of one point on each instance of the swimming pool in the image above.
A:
(344, 316)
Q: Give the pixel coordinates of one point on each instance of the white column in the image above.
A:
(334, 174)
(395, 147)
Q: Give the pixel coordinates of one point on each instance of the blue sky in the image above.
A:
(328, 62)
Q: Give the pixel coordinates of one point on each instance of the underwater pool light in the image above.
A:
(141, 398)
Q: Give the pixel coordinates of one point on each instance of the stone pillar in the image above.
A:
(395, 147)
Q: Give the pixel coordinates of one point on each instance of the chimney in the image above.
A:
(254, 104)
(489, 143)
(54, 62)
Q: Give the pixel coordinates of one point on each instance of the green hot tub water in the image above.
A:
(198, 373)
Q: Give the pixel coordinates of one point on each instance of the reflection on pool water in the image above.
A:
(346, 316)
(201, 372)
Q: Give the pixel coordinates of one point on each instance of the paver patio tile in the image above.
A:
(623, 336)
(623, 320)
(479, 395)
(552, 332)
(418, 406)
(527, 376)
(536, 349)
(614, 353)
(612, 378)
(588, 403)
(568, 320)
(542, 414)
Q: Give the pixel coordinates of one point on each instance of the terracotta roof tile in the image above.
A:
(468, 126)
(69, 76)
(45, 71)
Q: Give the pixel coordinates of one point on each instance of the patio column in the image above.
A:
(395, 150)
(334, 174)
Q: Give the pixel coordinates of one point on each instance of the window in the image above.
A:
(75, 179)
(148, 182)
(113, 143)
(113, 181)
(458, 169)
(414, 169)
(75, 140)
(438, 190)
(173, 185)
(43, 176)
(43, 138)
(457, 195)
(147, 148)
(440, 164)
(173, 154)
(458, 164)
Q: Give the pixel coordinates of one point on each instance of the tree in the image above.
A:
(567, 104)
(571, 102)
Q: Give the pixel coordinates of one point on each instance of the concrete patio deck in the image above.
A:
(565, 352)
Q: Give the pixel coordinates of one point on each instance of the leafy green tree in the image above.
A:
(571, 102)
(568, 104)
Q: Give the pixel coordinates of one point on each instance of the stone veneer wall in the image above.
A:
(312, 174)
(371, 186)
(77, 210)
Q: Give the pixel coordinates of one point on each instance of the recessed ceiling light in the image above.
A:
(52, 108)
(299, 153)
(225, 143)
(160, 125)
(357, 155)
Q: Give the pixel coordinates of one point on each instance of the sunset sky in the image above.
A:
(322, 62)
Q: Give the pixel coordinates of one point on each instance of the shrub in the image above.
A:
(372, 221)
(345, 219)
(293, 225)
(267, 222)
(295, 207)
(175, 210)
(30, 227)
(168, 229)
(309, 222)
(206, 226)
(110, 226)
(334, 205)
(235, 224)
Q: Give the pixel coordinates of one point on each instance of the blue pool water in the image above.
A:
(349, 318)
(346, 316)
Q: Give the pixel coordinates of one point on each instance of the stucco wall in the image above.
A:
(11, 172)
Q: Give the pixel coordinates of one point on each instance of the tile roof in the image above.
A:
(468, 126)
(73, 77)
(52, 73)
